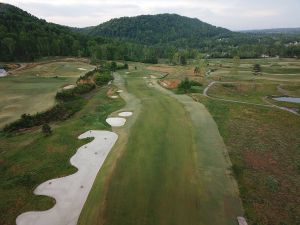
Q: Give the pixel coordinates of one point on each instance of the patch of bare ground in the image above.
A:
(170, 83)
(165, 69)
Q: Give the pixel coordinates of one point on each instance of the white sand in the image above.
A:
(125, 114)
(119, 91)
(82, 69)
(71, 192)
(116, 121)
(68, 87)
(114, 96)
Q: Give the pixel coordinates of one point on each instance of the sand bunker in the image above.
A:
(125, 114)
(116, 121)
(71, 192)
(68, 87)
(82, 69)
(119, 91)
(114, 96)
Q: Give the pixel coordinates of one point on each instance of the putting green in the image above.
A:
(173, 169)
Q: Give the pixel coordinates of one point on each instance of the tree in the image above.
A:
(46, 129)
(256, 69)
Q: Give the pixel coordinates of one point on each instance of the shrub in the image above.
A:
(103, 78)
(184, 86)
(46, 129)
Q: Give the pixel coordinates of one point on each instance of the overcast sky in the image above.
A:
(231, 14)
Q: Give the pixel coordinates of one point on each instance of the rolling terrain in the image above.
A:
(207, 141)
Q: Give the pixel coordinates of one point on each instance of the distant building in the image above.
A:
(3, 73)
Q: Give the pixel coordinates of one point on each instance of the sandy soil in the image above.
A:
(116, 121)
(171, 84)
(82, 69)
(125, 114)
(68, 87)
(71, 192)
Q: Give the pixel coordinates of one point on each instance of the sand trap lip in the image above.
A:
(71, 192)
(82, 69)
(116, 121)
(125, 114)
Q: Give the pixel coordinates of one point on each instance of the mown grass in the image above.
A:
(29, 159)
(161, 176)
(264, 147)
(25, 92)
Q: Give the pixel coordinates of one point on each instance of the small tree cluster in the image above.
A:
(256, 69)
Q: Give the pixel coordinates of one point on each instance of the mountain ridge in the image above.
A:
(159, 28)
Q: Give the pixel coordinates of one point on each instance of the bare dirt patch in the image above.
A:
(165, 69)
(170, 83)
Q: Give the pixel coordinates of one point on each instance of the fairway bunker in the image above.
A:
(125, 114)
(116, 121)
(68, 87)
(71, 192)
(82, 69)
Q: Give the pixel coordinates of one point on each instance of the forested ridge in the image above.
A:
(25, 37)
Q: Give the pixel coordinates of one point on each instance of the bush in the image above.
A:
(103, 78)
(184, 86)
(46, 129)
(196, 83)
(189, 86)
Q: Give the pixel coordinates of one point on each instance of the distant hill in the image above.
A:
(274, 31)
(161, 28)
(26, 37)
(142, 38)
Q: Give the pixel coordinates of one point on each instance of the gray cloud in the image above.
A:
(234, 14)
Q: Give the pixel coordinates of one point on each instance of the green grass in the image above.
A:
(264, 148)
(29, 159)
(167, 173)
(251, 92)
(27, 93)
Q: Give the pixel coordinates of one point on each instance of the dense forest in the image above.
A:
(25, 37)
(165, 30)
(143, 38)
